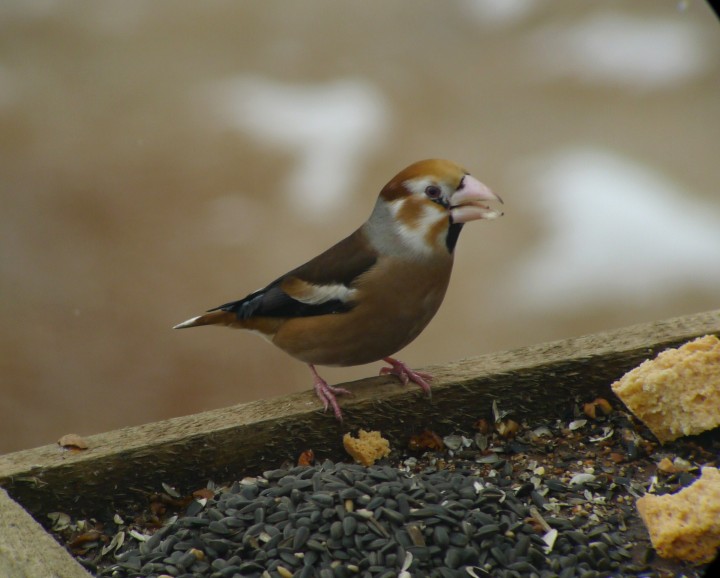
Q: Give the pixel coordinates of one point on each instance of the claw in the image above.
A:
(406, 375)
(327, 393)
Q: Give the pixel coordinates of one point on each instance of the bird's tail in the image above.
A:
(211, 318)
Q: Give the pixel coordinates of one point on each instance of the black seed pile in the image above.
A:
(342, 520)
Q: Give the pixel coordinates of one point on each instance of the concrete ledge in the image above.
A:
(126, 465)
(27, 551)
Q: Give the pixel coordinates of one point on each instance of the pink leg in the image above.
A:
(327, 393)
(406, 374)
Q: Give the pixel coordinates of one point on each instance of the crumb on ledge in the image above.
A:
(677, 393)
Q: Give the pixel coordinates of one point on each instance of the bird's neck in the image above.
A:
(389, 237)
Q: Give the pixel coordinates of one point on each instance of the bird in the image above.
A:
(371, 294)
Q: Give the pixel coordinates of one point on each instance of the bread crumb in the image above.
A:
(685, 525)
(677, 393)
(367, 448)
(72, 442)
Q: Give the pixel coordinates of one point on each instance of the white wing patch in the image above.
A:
(318, 294)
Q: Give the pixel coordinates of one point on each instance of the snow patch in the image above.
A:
(498, 12)
(616, 230)
(331, 128)
(632, 52)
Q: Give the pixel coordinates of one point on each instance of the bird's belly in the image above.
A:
(369, 332)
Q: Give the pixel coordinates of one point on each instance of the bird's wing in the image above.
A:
(325, 284)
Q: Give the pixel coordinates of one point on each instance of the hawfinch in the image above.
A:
(372, 293)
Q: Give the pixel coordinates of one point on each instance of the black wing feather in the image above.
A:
(326, 268)
(272, 301)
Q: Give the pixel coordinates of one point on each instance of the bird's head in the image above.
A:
(421, 211)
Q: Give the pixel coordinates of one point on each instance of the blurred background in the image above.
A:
(160, 158)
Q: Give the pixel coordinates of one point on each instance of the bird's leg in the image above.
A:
(406, 374)
(327, 393)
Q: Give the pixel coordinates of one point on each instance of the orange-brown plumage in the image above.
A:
(372, 293)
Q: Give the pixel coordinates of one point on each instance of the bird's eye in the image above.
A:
(433, 192)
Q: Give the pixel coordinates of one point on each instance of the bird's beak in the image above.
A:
(469, 202)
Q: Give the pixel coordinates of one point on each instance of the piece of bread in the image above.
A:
(677, 393)
(367, 448)
(685, 525)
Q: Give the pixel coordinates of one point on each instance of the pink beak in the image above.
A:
(468, 203)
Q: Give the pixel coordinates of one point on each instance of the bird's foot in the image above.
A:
(406, 374)
(327, 393)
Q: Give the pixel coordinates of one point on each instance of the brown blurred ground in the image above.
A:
(130, 203)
